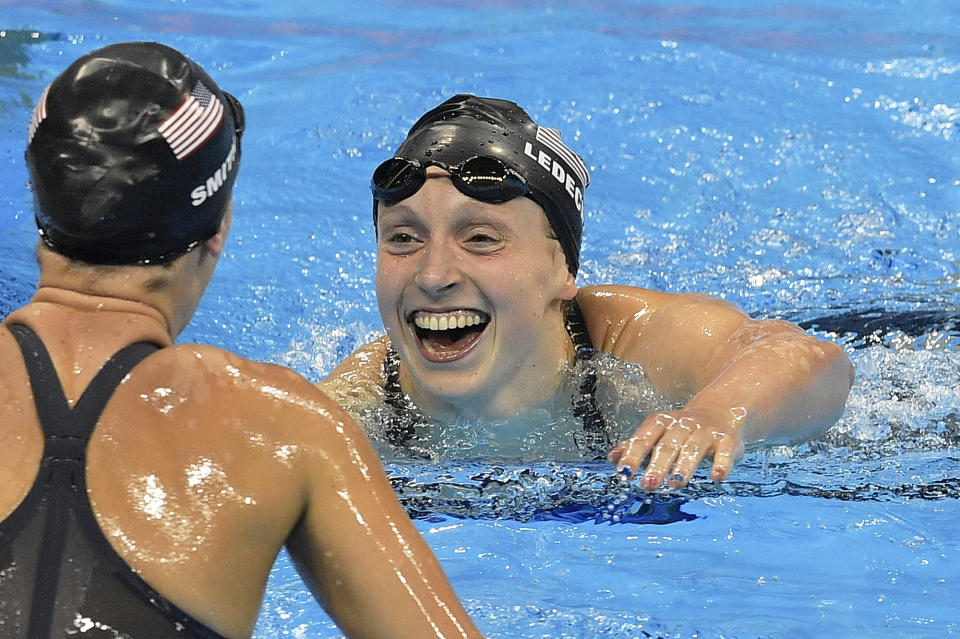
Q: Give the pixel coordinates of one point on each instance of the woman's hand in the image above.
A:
(675, 442)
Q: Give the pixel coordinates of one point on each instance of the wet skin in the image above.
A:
(205, 464)
(442, 256)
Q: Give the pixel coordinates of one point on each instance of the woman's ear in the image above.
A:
(215, 244)
(568, 290)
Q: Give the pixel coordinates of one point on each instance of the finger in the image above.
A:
(663, 456)
(689, 458)
(617, 452)
(728, 451)
(628, 455)
(615, 455)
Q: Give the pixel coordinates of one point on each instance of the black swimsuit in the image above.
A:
(59, 576)
(595, 437)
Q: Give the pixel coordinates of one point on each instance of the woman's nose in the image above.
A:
(438, 270)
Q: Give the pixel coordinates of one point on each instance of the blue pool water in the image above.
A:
(798, 159)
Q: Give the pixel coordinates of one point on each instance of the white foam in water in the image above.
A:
(904, 399)
(623, 393)
(797, 159)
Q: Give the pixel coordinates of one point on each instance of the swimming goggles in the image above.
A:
(481, 177)
(236, 110)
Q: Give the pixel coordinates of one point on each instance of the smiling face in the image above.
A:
(471, 296)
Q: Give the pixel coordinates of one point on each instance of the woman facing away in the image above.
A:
(479, 219)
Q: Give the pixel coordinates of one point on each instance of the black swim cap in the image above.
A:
(132, 152)
(466, 126)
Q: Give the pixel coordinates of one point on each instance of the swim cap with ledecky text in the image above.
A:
(466, 126)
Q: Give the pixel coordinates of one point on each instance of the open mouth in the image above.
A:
(450, 335)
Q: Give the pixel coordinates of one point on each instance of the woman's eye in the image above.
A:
(400, 242)
(482, 238)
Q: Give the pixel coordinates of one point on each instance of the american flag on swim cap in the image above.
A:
(39, 114)
(551, 139)
(193, 122)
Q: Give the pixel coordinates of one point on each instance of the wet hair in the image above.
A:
(132, 152)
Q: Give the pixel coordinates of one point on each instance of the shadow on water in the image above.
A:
(898, 441)
(571, 493)
(13, 51)
(879, 326)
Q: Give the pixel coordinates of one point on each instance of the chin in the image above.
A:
(460, 389)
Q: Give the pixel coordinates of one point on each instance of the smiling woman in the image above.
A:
(479, 221)
(444, 254)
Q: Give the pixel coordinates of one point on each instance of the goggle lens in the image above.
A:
(483, 178)
(397, 179)
(489, 179)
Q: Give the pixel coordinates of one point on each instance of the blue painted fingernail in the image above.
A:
(625, 471)
(677, 477)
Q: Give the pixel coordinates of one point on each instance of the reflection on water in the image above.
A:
(899, 439)
(14, 58)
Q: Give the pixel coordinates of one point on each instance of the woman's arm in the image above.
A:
(744, 380)
(357, 382)
(360, 554)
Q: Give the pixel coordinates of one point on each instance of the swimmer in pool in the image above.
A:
(145, 487)
(479, 217)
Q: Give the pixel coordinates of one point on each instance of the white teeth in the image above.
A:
(446, 321)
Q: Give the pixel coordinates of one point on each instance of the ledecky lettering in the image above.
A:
(556, 169)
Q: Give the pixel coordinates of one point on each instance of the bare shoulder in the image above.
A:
(606, 298)
(631, 321)
(611, 310)
(214, 362)
(265, 397)
(358, 381)
(239, 448)
(622, 299)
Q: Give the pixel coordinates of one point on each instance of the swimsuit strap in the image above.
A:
(66, 433)
(577, 328)
(596, 434)
(61, 485)
(67, 430)
(399, 426)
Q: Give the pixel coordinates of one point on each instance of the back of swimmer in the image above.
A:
(147, 487)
